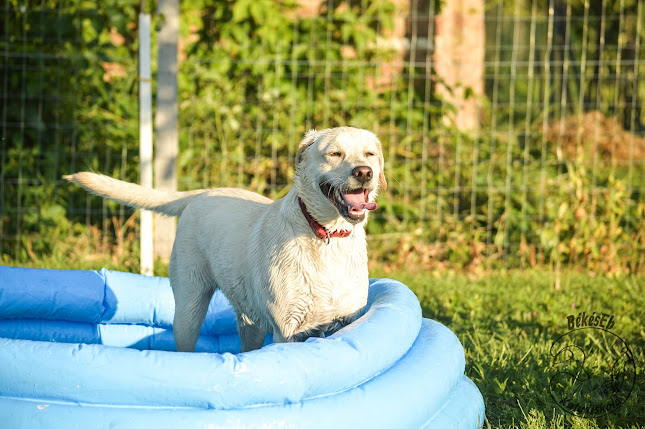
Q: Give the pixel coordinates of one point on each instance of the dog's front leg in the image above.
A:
(251, 336)
(191, 305)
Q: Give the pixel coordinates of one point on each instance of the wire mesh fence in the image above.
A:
(548, 170)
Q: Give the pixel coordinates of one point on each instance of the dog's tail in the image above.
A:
(129, 194)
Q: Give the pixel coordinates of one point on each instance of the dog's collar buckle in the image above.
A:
(319, 230)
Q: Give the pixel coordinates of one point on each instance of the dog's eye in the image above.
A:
(334, 154)
(368, 154)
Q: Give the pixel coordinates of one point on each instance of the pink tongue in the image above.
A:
(356, 201)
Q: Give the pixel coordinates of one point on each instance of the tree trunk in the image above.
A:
(459, 60)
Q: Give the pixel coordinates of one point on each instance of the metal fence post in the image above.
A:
(166, 145)
(145, 138)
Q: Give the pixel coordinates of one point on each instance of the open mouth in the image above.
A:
(352, 204)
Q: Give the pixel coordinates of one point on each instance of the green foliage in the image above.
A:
(583, 67)
(69, 87)
(508, 203)
(507, 337)
(593, 227)
(255, 75)
(247, 76)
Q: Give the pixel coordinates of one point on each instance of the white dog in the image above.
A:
(296, 267)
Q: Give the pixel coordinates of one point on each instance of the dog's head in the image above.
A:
(338, 173)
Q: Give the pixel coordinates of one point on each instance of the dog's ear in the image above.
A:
(381, 162)
(308, 140)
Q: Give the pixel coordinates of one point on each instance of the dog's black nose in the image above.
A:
(362, 173)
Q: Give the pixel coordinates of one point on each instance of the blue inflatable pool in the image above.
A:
(94, 349)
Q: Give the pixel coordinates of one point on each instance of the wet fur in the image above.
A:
(262, 254)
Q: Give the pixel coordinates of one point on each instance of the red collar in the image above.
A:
(319, 230)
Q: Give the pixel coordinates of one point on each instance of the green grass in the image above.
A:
(507, 322)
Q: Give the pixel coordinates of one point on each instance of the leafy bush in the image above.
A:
(254, 76)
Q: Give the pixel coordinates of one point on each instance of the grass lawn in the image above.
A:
(507, 323)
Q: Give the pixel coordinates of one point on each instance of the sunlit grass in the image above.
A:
(507, 323)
